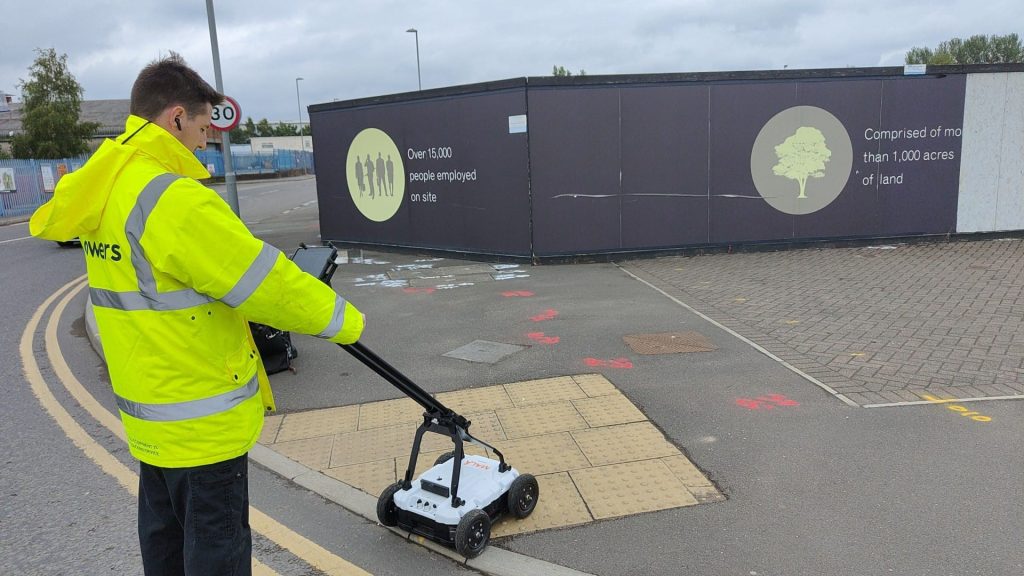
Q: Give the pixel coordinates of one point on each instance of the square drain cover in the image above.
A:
(669, 343)
(484, 351)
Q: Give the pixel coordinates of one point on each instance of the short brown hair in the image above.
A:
(169, 82)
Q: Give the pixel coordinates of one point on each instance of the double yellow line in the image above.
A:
(311, 553)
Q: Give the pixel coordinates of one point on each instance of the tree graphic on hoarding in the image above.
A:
(803, 155)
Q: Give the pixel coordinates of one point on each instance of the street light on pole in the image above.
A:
(419, 80)
(302, 139)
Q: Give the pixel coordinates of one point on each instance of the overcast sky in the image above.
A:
(359, 48)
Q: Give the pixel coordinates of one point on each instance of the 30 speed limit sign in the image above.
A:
(226, 115)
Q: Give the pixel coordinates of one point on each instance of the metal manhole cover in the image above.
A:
(669, 343)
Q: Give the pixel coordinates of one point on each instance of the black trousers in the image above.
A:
(195, 521)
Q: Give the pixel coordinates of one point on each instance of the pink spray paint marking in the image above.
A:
(517, 294)
(545, 315)
(542, 339)
(767, 402)
(418, 290)
(613, 363)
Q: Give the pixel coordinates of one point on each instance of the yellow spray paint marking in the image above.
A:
(856, 354)
(791, 322)
(740, 300)
(962, 410)
(311, 553)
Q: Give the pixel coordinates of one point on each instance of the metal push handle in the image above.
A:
(396, 378)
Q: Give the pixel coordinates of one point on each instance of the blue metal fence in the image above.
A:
(273, 162)
(27, 184)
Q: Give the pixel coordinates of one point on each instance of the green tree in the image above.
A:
(978, 49)
(562, 71)
(241, 134)
(802, 156)
(285, 129)
(263, 128)
(52, 104)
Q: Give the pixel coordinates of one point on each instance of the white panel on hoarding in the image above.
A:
(1010, 215)
(977, 201)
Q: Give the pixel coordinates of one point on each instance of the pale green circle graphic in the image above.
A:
(375, 174)
(801, 160)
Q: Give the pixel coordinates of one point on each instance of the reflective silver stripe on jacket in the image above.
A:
(147, 297)
(131, 301)
(174, 411)
(253, 277)
(337, 319)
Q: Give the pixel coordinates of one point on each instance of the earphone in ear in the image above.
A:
(177, 122)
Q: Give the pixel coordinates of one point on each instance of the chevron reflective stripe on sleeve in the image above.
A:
(175, 411)
(337, 319)
(253, 277)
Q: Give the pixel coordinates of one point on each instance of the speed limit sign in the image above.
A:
(226, 115)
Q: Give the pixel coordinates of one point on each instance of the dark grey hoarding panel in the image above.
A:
(834, 159)
(574, 170)
(664, 166)
(923, 172)
(464, 184)
(618, 168)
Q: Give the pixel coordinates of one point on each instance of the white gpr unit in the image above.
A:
(457, 499)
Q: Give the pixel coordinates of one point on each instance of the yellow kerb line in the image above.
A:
(313, 554)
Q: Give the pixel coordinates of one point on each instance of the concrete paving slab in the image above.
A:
(484, 351)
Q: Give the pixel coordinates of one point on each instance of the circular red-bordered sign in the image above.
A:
(226, 115)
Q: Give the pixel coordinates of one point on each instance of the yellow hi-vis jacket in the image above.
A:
(174, 276)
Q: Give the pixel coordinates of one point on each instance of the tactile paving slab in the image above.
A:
(540, 419)
(608, 410)
(476, 399)
(543, 391)
(630, 488)
(560, 505)
(546, 454)
(594, 453)
(318, 423)
(389, 413)
(623, 443)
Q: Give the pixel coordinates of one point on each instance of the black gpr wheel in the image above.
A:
(387, 510)
(444, 457)
(473, 533)
(523, 495)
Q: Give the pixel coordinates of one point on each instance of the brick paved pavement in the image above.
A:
(881, 324)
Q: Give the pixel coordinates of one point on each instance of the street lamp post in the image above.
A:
(302, 139)
(419, 80)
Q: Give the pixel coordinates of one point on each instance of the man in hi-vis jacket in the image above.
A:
(174, 276)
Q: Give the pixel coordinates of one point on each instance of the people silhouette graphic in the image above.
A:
(369, 174)
(381, 175)
(359, 176)
(391, 175)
